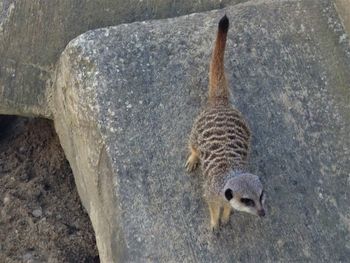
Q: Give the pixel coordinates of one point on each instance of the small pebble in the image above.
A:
(22, 149)
(27, 256)
(48, 213)
(37, 212)
(7, 199)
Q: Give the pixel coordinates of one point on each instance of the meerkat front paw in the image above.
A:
(214, 226)
(224, 220)
(192, 163)
(193, 160)
(226, 213)
(214, 208)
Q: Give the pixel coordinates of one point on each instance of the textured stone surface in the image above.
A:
(34, 33)
(124, 102)
(343, 7)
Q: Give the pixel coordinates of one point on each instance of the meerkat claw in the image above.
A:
(192, 163)
(214, 228)
(224, 220)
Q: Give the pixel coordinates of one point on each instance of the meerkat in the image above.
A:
(220, 143)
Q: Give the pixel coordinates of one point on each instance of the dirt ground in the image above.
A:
(41, 217)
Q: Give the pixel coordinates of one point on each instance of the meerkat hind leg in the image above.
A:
(225, 217)
(193, 159)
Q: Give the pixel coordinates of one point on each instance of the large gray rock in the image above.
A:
(343, 7)
(34, 33)
(124, 101)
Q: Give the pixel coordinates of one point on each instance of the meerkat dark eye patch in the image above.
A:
(228, 194)
(247, 202)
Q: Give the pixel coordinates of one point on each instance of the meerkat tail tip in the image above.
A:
(224, 24)
(217, 80)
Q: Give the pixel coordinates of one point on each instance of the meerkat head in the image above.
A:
(245, 193)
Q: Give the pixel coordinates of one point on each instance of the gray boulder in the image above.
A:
(34, 33)
(343, 7)
(124, 99)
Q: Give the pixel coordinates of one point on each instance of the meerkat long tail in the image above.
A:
(218, 88)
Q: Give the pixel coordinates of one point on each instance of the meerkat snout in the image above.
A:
(245, 193)
(261, 213)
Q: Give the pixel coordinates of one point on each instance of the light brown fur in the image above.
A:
(220, 142)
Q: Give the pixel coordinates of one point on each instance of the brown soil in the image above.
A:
(41, 217)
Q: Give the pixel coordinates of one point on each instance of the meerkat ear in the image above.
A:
(228, 194)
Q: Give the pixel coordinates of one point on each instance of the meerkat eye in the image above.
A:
(247, 202)
(228, 194)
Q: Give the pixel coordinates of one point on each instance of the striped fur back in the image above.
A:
(222, 138)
